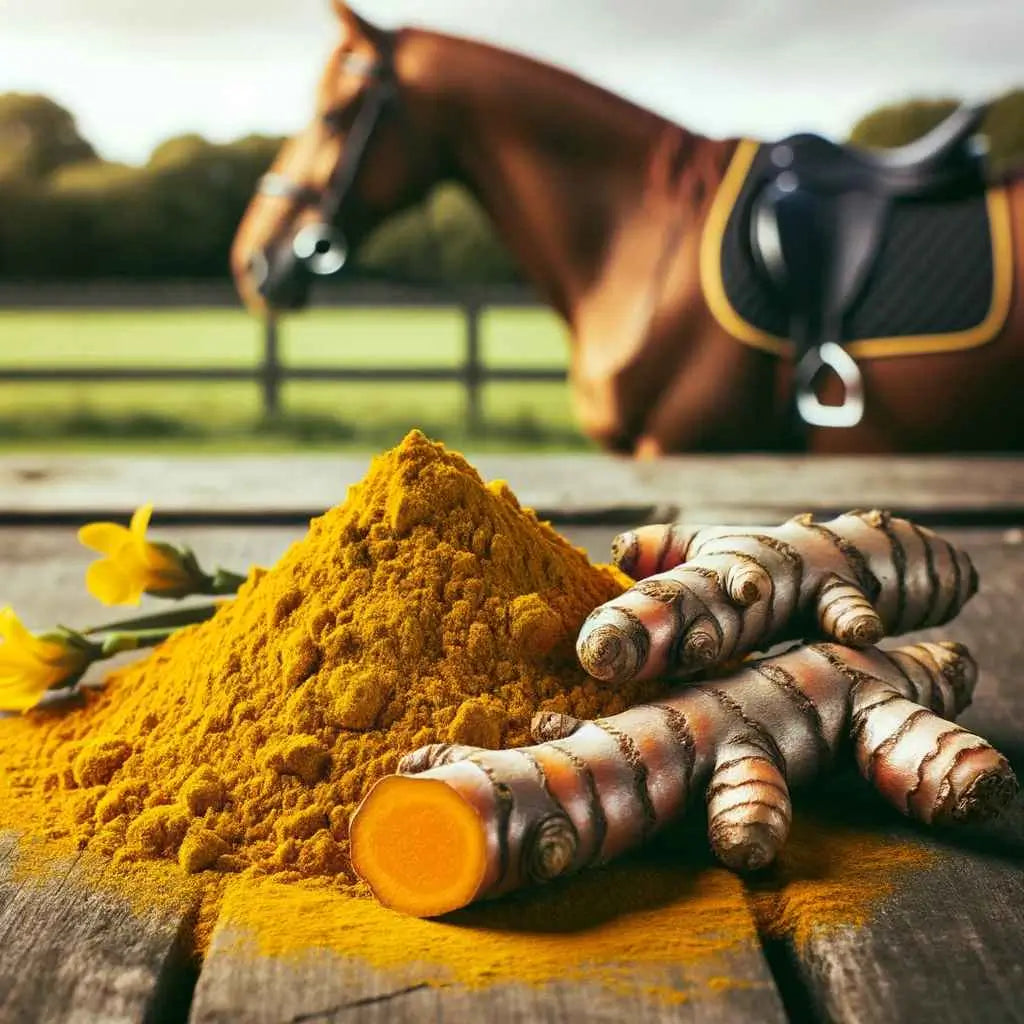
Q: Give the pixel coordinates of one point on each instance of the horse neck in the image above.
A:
(560, 165)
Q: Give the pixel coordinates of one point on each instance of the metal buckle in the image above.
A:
(838, 360)
(280, 186)
(321, 248)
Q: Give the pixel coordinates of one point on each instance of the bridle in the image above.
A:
(320, 249)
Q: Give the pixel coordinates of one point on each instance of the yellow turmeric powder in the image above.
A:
(427, 608)
(667, 907)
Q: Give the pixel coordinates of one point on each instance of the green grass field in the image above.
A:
(228, 415)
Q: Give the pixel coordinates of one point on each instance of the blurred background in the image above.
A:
(131, 137)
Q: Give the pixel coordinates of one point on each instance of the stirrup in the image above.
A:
(814, 412)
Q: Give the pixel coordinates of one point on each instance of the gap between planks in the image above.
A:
(71, 952)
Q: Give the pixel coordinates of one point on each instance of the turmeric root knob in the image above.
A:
(711, 594)
(419, 845)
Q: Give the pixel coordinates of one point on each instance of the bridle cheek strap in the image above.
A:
(320, 245)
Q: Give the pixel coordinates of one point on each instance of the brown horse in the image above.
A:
(604, 205)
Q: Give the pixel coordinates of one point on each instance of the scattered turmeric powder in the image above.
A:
(629, 924)
(665, 913)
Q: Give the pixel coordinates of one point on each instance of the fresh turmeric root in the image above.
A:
(462, 823)
(711, 595)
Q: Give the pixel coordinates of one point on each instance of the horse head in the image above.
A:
(360, 158)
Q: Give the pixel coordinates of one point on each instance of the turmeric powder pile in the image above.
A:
(429, 607)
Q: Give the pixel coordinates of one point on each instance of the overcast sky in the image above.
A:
(137, 71)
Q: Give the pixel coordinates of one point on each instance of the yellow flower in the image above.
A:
(30, 665)
(133, 565)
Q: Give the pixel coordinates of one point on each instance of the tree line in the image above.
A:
(66, 213)
(899, 123)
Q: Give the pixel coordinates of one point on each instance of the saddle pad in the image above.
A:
(942, 280)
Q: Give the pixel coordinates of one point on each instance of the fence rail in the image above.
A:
(271, 372)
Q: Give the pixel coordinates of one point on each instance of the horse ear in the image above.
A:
(355, 24)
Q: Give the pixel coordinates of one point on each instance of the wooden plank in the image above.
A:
(71, 949)
(70, 952)
(947, 945)
(880, 972)
(738, 488)
(323, 985)
(43, 568)
(254, 989)
(41, 562)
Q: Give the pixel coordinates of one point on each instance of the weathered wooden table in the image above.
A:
(947, 945)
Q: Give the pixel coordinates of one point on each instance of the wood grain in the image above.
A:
(581, 487)
(728, 984)
(71, 953)
(323, 986)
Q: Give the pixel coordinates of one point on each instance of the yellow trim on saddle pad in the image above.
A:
(866, 348)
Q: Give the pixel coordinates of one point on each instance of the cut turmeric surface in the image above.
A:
(427, 842)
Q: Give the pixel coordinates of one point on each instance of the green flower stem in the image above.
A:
(157, 620)
(223, 581)
(135, 640)
(91, 651)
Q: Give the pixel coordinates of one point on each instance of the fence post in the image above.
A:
(271, 369)
(473, 368)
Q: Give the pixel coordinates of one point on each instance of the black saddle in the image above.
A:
(816, 222)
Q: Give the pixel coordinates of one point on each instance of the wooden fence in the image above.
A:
(271, 372)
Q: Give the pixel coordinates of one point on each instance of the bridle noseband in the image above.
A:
(320, 248)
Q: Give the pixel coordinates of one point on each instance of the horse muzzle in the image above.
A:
(283, 274)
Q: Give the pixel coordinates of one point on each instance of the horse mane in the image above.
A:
(524, 79)
(596, 160)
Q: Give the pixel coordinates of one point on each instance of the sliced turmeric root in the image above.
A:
(468, 823)
(419, 845)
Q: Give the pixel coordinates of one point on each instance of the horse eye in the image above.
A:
(333, 120)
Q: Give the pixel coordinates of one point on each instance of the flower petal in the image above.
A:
(140, 522)
(11, 629)
(107, 582)
(104, 537)
(51, 652)
(14, 658)
(18, 697)
(163, 563)
(134, 571)
(130, 557)
(36, 677)
(40, 678)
